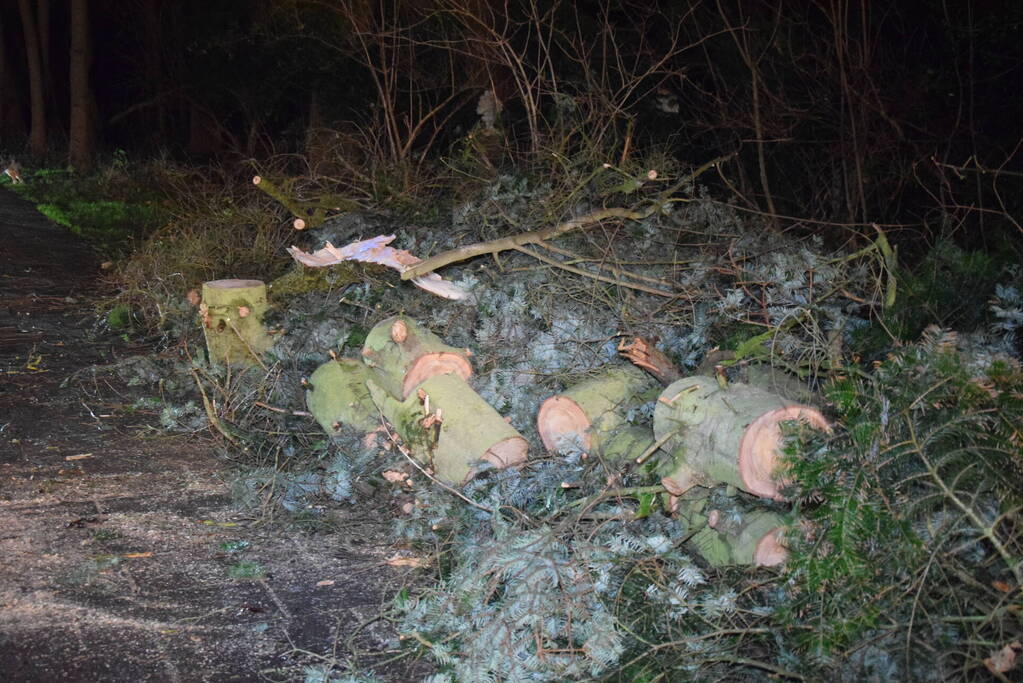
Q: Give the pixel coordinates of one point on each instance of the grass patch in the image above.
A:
(110, 209)
(246, 571)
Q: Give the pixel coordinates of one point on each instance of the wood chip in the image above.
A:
(80, 456)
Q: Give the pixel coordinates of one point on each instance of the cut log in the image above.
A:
(407, 354)
(757, 538)
(592, 412)
(729, 435)
(232, 319)
(337, 396)
(447, 426)
(627, 444)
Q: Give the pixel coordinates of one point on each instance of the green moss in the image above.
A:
(120, 318)
(302, 280)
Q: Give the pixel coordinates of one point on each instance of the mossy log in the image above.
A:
(338, 396)
(446, 426)
(232, 318)
(407, 354)
(592, 412)
(724, 435)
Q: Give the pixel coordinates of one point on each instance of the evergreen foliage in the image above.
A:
(913, 519)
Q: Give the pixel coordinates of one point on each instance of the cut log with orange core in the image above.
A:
(752, 538)
(469, 429)
(591, 413)
(408, 354)
(730, 435)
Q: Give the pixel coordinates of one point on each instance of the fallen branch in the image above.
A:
(536, 236)
(596, 276)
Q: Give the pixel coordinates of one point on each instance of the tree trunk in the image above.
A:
(43, 29)
(80, 144)
(589, 415)
(338, 396)
(37, 137)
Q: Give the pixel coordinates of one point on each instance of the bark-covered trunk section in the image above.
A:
(80, 144)
(37, 136)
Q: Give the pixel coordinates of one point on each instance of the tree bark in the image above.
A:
(43, 29)
(407, 354)
(37, 136)
(447, 426)
(80, 144)
(232, 319)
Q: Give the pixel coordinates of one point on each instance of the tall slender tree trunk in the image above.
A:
(43, 29)
(80, 145)
(37, 137)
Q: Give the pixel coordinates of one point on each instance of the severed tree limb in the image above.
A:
(536, 236)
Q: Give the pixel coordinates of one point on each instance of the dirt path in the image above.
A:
(121, 554)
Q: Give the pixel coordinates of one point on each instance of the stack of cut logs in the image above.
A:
(706, 432)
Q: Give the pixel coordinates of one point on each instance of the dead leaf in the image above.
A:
(134, 556)
(394, 476)
(1003, 660)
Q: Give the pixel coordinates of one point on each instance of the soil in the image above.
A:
(122, 554)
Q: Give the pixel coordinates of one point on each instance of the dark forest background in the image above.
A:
(904, 113)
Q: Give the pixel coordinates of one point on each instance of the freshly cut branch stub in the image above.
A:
(643, 354)
(590, 413)
(338, 396)
(724, 435)
(407, 354)
(232, 319)
(470, 429)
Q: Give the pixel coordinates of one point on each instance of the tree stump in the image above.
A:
(446, 425)
(407, 354)
(338, 396)
(232, 319)
(590, 413)
(729, 435)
